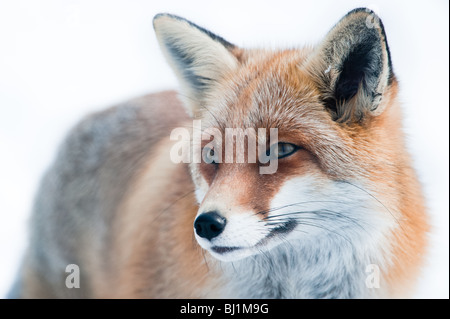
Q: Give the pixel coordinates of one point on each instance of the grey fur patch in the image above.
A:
(81, 191)
(276, 274)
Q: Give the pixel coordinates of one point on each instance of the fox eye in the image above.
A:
(210, 156)
(285, 149)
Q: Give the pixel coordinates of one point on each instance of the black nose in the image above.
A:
(209, 225)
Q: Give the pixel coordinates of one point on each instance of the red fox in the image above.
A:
(340, 215)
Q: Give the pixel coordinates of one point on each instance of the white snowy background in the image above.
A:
(62, 59)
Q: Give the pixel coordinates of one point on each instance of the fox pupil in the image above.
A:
(211, 155)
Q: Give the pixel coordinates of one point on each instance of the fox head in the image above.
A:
(338, 137)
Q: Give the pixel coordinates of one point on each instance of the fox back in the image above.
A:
(325, 204)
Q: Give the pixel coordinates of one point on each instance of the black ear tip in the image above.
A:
(361, 10)
(160, 15)
(167, 15)
(157, 17)
(364, 16)
(370, 17)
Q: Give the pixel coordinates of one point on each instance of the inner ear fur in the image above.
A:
(352, 67)
(199, 58)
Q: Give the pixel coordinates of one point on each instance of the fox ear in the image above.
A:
(353, 67)
(198, 57)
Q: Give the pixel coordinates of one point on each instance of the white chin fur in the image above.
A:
(237, 254)
(243, 232)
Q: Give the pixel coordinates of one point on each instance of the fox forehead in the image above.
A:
(269, 89)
